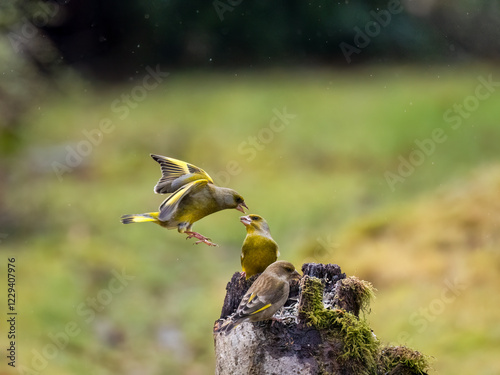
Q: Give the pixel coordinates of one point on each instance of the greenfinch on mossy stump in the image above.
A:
(194, 196)
(265, 296)
(259, 249)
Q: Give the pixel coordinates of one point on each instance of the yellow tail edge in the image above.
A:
(140, 218)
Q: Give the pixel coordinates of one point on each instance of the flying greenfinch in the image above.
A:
(259, 249)
(267, 295)
(194, 196)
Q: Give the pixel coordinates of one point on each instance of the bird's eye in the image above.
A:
(254, 217)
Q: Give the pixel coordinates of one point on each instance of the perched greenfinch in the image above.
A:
(194, 196)
(266, 295)
(259, 249)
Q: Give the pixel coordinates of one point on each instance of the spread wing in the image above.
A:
(177, 173)
(171, 204)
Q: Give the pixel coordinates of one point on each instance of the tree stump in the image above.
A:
(318, 331)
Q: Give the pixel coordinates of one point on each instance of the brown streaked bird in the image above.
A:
(259, 249)
(194, 196)
(266, 296)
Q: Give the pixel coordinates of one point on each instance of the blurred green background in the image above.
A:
(387, 165)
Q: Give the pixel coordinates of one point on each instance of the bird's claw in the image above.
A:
(209, 243)
(201, 239)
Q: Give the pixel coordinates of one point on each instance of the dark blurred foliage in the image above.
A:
(109, 41)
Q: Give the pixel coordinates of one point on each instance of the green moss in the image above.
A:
(360, 347)
(402, 360)
(311, 303)
(358, 339)
(354, 295)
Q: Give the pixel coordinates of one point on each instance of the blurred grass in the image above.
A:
(319, 183)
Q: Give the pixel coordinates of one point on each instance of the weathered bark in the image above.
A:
(318, 331)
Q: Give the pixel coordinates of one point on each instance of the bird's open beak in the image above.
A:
(245, 220)
(240, 207)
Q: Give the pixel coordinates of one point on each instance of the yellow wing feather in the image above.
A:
(177, 173)
(261, 309)
(171, 204)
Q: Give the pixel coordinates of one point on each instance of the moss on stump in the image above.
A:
(318, 331)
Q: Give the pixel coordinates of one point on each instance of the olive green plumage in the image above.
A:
(259, 249)
(266, 295)
(193, 196)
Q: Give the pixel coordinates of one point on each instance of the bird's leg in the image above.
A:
(201, 238)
